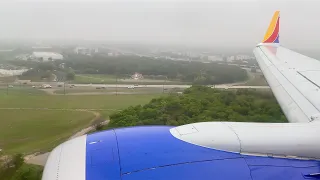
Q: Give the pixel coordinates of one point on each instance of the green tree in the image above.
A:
(70, 75)
(28, 172)
(199, 104)
(17, 160)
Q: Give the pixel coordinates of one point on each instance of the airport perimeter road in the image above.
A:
(169, 86)
(221, 86)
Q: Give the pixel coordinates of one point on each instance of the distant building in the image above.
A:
(82, 50)
(137, 76)
(85, 51)
(6, 72)
(41, 47)
(193, 55)
(46, 56)
(243, 57)
(24, 57)
(230, 58)
(62, 65)
(215, 58)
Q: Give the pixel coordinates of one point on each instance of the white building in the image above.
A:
(46, 56)
(243, 57)
(85, 51)
(6, 72)
(215, 58)
(82, 50)
(230, 58)
(41, 47)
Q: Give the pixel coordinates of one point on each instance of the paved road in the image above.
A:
(166, 86)
(122, 89)
(153, 86)
(224, 86)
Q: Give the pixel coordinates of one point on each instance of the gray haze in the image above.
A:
(237, 23)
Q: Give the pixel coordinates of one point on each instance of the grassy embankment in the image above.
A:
(32, 121)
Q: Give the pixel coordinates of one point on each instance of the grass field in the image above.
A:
(92, 89)
(73, 102)
(111, 79)
(33, 130)
(27, 131)
(256, 80)
(94, 79)
(19, 91)
(8, 79)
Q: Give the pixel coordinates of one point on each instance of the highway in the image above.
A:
(222, 86)
(168, 86)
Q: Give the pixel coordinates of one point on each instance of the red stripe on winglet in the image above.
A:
(274, 35)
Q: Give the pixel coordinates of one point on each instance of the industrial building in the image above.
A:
(46, 56)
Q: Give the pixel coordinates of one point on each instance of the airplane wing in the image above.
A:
(293, 77)
(212, 150)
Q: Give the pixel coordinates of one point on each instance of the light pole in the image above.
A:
(163, 86)
(116, 84)
(165, 80)
(64, 87)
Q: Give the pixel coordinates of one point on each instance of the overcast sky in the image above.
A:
(206, 23)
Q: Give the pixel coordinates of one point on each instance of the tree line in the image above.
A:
(14, 168)
(200, 104)
(195, 72)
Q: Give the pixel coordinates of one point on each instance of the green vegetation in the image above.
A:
(196, 72)
(199, 104)
(13, 168)
(125, 66)
(7, 79)
(39, 71)
(28, 172)
(19, 91)
(95, 79)
(257, 80)
(110, 102)
(27, 131)
(112, 79)
(140, 90)
(45, 121)
(35, 75)
(70, 75)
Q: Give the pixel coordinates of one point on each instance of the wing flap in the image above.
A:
(311, 76)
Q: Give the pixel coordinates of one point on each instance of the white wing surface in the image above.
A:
(294, 80)
(293, 77)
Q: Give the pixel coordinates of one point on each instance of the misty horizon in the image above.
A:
(235, 24)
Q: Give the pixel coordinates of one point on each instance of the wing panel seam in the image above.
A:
(308, 79)
(292, 85)
(240, 148)
(285, 88)
(176, 164)
(118, 153)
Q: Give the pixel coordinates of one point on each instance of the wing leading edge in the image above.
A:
(293, 77)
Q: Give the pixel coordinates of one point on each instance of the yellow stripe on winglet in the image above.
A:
(272, 25)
